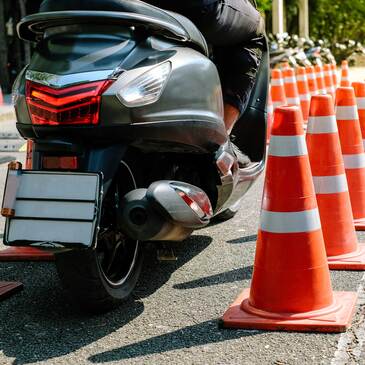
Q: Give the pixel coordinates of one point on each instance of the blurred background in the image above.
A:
(317, 29)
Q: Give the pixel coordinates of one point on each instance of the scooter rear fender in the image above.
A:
(103, 159)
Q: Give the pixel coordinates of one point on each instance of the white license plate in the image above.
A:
(52, 209)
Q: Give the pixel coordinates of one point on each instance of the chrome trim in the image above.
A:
(225, 163)
(58, 81)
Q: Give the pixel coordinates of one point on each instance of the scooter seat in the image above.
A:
(131, 6)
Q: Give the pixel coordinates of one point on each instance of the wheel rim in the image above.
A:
(116, 253)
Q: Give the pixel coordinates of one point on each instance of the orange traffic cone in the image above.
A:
(290, 86)
(359, 88)
(9, 288)
(1, 96)
(320, 80)
(312, 81)
(328, 80)
(277, 88)
(334, 75)
(352, 151)
(291, 287)
(270, 114)
(331, 188)
(304, 94)
(25, 254)
(285, 65)
(345, 74)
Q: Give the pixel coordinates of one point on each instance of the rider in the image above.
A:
(235, 30)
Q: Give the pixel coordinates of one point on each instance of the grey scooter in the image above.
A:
(124, 109)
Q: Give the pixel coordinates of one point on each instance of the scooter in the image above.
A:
(124, 108)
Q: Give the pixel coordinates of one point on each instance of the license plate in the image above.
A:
(52, 209)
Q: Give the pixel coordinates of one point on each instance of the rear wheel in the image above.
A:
(100, 279)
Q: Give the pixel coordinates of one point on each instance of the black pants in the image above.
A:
(235, 30)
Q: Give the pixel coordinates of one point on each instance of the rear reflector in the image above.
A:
(60, 163)
(75, 105)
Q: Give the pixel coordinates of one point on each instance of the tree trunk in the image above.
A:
(4, 75)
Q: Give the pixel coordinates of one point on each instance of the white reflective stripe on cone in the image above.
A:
(302, 78)
(276, 104)
(290, 80)
(293, 101)
(287, 146)
(270, 109)
(311, 76)
(277, 82)
(304, 97)
(319, 75)
(363, 143)
(347, 112)
(290, 222)
(360, 103)
(330, 184)
(354, 161)
(321, 125)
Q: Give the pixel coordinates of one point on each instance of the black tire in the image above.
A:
(85, 282)
(102, 278)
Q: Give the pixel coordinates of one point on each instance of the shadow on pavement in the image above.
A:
(197, 335)
(156, 273)
(40, 323)
(222, 278)
(244, 239)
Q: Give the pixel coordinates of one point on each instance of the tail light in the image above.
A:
(60, 163)
(196, 199)
(75, 105)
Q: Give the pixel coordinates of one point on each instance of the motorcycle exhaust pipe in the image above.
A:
(166, 211)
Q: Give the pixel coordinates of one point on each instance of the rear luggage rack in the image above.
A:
(33, 27)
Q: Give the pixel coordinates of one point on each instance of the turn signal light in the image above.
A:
(75, 105)
(60, 163)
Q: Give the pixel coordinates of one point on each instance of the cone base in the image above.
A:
(350, 261)
(359, 224)
(331, 321)
(25, 254)
(9, 288)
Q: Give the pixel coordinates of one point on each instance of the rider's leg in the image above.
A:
(238, 74)
(235, 29)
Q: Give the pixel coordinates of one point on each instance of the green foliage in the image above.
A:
(264, 5)
(337, 20)
(334, 20)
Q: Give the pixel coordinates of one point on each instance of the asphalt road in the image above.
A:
(172, 316)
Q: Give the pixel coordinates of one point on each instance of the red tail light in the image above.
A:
(73, 105)
(60, 163)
